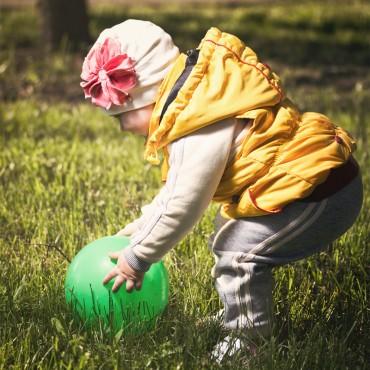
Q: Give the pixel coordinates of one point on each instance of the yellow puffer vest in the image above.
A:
(284, 155)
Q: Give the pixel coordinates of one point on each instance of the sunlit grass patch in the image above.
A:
(68, 176)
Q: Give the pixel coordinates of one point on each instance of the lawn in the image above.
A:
(69, 176)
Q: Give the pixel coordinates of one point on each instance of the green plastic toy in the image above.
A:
(96, 304)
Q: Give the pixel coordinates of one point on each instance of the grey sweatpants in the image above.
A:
(247, 249)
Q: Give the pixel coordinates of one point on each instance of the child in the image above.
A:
(287, 182)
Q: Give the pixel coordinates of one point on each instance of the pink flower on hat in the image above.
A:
(107, 74)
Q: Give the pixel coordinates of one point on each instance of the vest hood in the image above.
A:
(284, 155)
(226, 81)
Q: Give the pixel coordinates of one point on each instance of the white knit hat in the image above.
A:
(137, 51)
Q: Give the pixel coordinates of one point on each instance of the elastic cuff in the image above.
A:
(135, 262)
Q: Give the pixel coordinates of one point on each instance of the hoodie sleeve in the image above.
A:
(136, 225)
(197, 163)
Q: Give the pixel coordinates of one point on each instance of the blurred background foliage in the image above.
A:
(309, 43)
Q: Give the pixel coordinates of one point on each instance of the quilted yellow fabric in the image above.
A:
(285, 153)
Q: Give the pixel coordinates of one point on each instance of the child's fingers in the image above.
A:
(111, 274)
(130, 284)
(138, 284)
(118, 282)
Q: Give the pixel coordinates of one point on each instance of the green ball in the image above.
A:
(96, 304)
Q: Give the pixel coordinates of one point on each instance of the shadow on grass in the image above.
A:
(298, 42)
(311, 34)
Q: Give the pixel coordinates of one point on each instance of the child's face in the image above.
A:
(136, 121)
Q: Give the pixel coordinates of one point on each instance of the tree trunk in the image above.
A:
(64, 19)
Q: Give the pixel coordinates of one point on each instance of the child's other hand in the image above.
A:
(123, 272)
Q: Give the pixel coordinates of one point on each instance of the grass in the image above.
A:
(67, 176)
(306, 32)
(267, 28)
(313, 35)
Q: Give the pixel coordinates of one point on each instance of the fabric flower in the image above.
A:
(107, 74)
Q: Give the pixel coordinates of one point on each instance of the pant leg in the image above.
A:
(247, 249)
(246, 292)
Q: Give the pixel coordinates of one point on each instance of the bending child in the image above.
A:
(287, 182)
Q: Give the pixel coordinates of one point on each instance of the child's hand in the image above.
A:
(123, 272)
